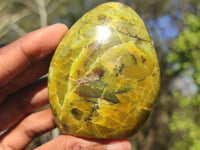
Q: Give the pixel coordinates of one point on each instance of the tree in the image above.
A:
(184, 59)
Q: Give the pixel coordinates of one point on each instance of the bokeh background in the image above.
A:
(174, 26)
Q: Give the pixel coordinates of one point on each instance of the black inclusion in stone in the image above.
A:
(121, 68)
(77, 113)
(134, 58)
(143, 59)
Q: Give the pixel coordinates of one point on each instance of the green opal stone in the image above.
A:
(104, 77)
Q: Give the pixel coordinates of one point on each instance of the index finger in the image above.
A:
(17, 56)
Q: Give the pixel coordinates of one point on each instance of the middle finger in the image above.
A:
(15, 107)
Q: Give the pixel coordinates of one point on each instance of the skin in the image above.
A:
(21, 94)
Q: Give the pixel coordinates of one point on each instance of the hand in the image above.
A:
(21, 93)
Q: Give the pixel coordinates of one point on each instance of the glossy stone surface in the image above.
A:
(104, 76)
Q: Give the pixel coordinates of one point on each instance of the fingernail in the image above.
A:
(119, 146)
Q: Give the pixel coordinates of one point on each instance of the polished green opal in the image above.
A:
(104, 76)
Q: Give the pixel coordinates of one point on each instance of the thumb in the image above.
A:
(67, 142)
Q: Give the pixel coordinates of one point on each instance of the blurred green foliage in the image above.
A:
(185, 54)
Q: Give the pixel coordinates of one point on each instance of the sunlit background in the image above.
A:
(174, 26)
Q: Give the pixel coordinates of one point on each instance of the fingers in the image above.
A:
(26, 77)
(23, 133)
(15, 107)
(38, 123)
(17, 56)
(64, 142)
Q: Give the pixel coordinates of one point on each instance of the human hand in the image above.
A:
(21, 94)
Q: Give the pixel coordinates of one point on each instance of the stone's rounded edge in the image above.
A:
(60, 123)
(113, 5)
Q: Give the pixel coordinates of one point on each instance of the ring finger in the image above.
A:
(23, 133)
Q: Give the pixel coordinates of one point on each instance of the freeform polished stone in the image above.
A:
(104, 76)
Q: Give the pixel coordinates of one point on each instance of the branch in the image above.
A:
(28, 4)
(53, 6)
(149, 141)
(8, 21)
(3, 5)
(42, 12)
(18, 30)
